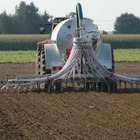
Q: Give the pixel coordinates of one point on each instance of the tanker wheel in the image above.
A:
(37, 62)
(43, 69)
(113, 86)
(113, 66)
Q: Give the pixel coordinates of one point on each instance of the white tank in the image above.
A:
(65, 31)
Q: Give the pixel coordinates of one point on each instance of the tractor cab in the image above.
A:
(53, 22)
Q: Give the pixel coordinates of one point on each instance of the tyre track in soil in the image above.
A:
(70, 115)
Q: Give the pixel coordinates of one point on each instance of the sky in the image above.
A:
(103, 12)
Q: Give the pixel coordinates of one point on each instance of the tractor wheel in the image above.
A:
(37, 63)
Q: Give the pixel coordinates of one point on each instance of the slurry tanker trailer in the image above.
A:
(74, 57)
(52, 54)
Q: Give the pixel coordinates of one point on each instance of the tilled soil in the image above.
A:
(69, 115)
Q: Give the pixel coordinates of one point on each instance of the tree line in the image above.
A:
(27, 20)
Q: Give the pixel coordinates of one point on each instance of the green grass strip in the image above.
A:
(127, 55)
(17, 56)
(120, 55)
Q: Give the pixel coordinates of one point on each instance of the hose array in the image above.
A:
(82, 64)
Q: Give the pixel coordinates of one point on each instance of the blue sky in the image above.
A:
(103, 12)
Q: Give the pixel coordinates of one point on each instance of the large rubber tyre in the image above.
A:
(113, 65)
(113, 86)
(43, 69)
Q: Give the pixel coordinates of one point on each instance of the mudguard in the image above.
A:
(52, 56)
(104, 55)
(39, 46)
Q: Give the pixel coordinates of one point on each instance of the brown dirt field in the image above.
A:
(69, 115)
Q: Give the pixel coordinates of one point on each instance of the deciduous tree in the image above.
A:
(127, 24)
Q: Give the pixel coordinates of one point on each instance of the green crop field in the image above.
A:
(21, 42)
(29, 42)
(22, 48)
(122, 41)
